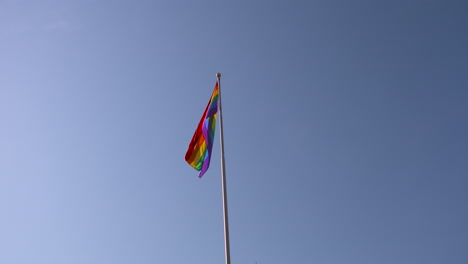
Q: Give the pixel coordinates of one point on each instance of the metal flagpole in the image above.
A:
(223, 177)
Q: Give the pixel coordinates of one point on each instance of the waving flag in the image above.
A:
(199, 151)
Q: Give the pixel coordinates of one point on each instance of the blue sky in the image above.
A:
(345, 131)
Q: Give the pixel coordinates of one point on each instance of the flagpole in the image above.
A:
(223, 177)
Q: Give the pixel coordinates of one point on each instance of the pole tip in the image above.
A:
(218, 75)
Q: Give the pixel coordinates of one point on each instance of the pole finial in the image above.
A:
(218, 75)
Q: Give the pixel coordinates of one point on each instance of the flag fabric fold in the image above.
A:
(199, 151)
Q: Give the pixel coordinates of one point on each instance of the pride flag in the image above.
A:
(199, 151)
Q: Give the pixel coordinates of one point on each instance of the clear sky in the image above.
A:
(346, 131)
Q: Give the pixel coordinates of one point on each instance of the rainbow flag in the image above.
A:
(199, 151)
